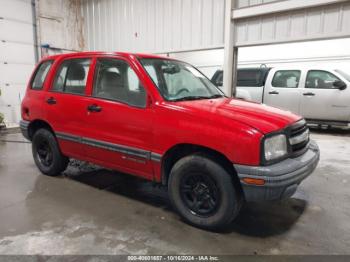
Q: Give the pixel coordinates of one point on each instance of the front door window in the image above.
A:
(320, 79)
(116, 80)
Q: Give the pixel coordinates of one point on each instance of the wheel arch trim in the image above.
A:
(212, 153)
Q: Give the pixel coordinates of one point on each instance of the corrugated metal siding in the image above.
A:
(61, 25)
(325, 22)
(246, 3)
(153, 25)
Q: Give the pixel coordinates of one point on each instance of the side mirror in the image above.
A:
(340, 85)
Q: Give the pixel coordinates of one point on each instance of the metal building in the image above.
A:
(250, 23)
(192, 30)
(157, 26)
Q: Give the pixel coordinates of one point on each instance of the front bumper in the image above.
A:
(281, 179)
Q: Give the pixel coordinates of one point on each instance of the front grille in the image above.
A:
(299, 136)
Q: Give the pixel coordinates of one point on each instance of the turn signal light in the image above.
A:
(254, 181)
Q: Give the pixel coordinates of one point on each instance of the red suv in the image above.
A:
(163, 120)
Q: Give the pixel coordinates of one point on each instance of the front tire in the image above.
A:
(46, 153)
(203, 192)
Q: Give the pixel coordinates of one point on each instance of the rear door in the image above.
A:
(119, 119)
(282, 89)
(66, 103)
(321, 100)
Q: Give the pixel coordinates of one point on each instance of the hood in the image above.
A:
(264, 118)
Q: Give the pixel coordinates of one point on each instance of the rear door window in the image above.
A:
(40, 75)
(286, 79)
(72, 76)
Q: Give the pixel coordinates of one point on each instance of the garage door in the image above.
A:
(16, 55)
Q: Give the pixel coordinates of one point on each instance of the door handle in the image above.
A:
(273, 93)
(51, 101)
(94, 108)
(309, 94)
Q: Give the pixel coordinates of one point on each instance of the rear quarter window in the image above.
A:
(40, 75)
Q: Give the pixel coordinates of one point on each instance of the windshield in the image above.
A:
(178, 81)
(343, 74)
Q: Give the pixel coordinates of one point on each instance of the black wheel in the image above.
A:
(203, 192)
(47, 155)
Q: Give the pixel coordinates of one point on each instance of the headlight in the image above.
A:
(275, 147)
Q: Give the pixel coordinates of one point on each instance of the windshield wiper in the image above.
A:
(216, 96)
(188, 98)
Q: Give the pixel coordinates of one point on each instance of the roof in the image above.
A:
(123, 54)
(297, 66)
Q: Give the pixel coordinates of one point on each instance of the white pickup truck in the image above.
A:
(321, 95)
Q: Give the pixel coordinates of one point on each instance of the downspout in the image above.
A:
(35, 32)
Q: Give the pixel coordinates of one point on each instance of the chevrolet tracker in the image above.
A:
(163, 120)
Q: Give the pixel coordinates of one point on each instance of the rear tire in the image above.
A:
(203, 192)
(47, 154)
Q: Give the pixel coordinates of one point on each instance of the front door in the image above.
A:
(119, 119)
(321, 100)
(282, 90)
